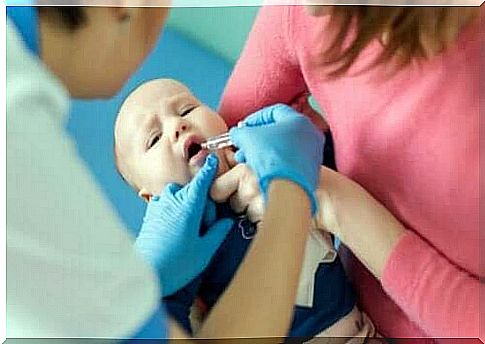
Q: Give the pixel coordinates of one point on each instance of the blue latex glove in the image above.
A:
(169, 238)
(278, 142)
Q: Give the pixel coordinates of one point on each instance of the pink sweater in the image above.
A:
(411, 140)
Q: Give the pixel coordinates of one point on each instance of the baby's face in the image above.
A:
(158, 134)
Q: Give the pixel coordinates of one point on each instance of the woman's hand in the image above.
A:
(331, 185)
(279, 143)
(169, 238)
(240, 186)
(364, 225)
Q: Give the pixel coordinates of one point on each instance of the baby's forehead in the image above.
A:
(148, 97)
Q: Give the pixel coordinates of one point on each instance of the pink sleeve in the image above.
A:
(267, 71)
(438, 296)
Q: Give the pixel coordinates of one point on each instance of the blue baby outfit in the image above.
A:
(333, 297)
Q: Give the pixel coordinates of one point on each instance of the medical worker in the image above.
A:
(72, 270)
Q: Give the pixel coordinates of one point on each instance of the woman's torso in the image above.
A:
(412, 141)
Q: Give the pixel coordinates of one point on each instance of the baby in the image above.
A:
(158, 133)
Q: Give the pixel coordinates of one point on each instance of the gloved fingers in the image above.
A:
(282, 112)
(270, 115)
(260, 117)
(169, 286)
(238, 137)
(170, 188)
(240, 157)
(235, 134)
(210, 214)
(295, 123)
(241, 138)
(216, 234)
(302, 105)
(198, 188)
(153, 207)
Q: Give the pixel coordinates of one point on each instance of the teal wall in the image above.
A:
(221, 30)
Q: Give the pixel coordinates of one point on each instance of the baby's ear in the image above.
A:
(143, 193)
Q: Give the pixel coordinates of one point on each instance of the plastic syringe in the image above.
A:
(217, 142)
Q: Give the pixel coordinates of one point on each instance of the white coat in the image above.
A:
(72, 270)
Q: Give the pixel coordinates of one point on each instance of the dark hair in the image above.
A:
(406, 29)
(72, 17)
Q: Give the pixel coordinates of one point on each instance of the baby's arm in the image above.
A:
(240, 187)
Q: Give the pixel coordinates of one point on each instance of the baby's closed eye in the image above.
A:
(152, 141)
(187, 111)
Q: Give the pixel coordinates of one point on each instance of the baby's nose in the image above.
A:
(180, 127)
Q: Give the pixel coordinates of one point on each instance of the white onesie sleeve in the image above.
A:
(71, 267)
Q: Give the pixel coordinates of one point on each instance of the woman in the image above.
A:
(400, 90)
(72, 270)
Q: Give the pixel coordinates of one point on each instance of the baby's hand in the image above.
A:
(240, 186)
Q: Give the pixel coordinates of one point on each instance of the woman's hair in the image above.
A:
(72, 17)
(406, 33)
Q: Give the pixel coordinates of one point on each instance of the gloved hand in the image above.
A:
(169, 237)
(278, 142)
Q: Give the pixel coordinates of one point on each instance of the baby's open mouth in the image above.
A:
(193, 149)
(194, 154)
